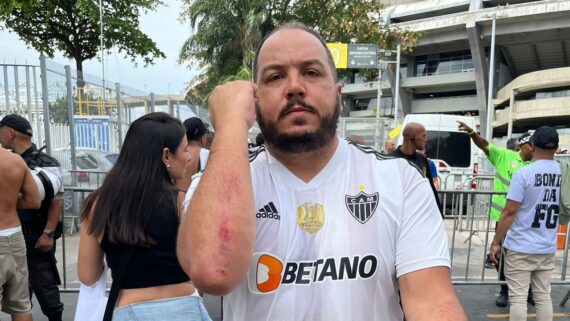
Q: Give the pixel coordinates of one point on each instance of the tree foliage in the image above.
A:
(226, 32)
(58, 109)
(72, 27)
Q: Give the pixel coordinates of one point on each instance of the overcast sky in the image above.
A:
(165, 76)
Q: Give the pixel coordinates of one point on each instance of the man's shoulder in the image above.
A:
(11, 158)
(364, 151)
(502, 154)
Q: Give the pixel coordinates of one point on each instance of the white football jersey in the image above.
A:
(333, 248)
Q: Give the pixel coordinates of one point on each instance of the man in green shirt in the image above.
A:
(506, 163)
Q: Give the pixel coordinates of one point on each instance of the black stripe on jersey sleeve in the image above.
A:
(370, 150)
(254, 152)
(380, 156)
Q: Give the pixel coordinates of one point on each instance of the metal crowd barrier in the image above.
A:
(69, 241)
(471, 230)
(468, 224)
(74, 179)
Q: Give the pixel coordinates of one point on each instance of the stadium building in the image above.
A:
(448, 72)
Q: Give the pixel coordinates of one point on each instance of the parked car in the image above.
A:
(91, 168)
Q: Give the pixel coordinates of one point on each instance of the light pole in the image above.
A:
(102, 49)
(397, 91)
(383, 64)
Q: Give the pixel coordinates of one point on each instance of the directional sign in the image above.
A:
(339, 53)
(362, 56)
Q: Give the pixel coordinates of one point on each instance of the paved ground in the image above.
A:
(478, 300)
(469, 248)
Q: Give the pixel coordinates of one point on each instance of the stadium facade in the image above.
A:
(448, 72)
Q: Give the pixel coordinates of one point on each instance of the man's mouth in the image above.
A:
(297, 109)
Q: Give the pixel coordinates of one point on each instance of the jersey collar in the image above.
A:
(335, 164)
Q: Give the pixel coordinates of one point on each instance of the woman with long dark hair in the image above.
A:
(133, 220)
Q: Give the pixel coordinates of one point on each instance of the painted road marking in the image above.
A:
(530, 315)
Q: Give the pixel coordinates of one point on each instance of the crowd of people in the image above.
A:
(305, 219)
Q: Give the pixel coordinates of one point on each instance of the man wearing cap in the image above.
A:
(529, 224)
(506, 163)
(42, 226)
(196, 134)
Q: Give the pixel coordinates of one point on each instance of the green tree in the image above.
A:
(226, 32)
(58, 108)
(72, 27)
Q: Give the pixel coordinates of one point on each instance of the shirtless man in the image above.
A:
(19, 190)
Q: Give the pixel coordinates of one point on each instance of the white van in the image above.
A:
(453, 152)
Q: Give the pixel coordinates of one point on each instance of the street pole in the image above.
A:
(378, 97)
(102, 50)
(490, 111)
(397, 91)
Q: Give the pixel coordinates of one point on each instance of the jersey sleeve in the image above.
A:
(421, 240)
(517, 188)
(495, 154)
(433, 169)
(195, 180)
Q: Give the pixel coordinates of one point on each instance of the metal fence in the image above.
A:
(470, 231)
(69, 109)
(469, 227)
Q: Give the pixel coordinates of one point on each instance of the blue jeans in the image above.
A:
(187, 308)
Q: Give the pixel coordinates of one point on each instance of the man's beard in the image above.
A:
(299, 142)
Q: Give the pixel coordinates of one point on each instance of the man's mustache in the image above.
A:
(297, 101)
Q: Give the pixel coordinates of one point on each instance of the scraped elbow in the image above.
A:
(214, 281)
(206, 277)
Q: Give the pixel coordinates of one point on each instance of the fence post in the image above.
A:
(43, 76)
(28, 94)
(119, 114)
(17, 89)
(39, 133)
(70, 114)
(6, 90)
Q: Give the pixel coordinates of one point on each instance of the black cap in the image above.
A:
(545, 137)
(525, 138)
(17, 123)
(195, 128)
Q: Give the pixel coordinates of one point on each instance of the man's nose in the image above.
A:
(295, 86)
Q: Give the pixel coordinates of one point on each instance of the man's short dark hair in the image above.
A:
(302, 27)
(512, 143)
(195, 128)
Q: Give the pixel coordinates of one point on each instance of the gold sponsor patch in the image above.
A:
(311, 217)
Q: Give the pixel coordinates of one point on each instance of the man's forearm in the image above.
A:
(217, 233)
(54, 212)
(479, 141)
(505, 223)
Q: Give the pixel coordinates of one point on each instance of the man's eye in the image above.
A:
(312, 73)
(275, 77)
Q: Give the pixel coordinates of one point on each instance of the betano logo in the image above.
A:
(267, 271)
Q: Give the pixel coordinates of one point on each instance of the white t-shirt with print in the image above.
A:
(537, 188)
(333, 248)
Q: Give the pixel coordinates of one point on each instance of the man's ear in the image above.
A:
(339, 93)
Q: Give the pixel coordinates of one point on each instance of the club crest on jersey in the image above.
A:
(362, 206)
(311, 216)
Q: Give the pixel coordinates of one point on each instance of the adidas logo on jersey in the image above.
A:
(268, 211)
